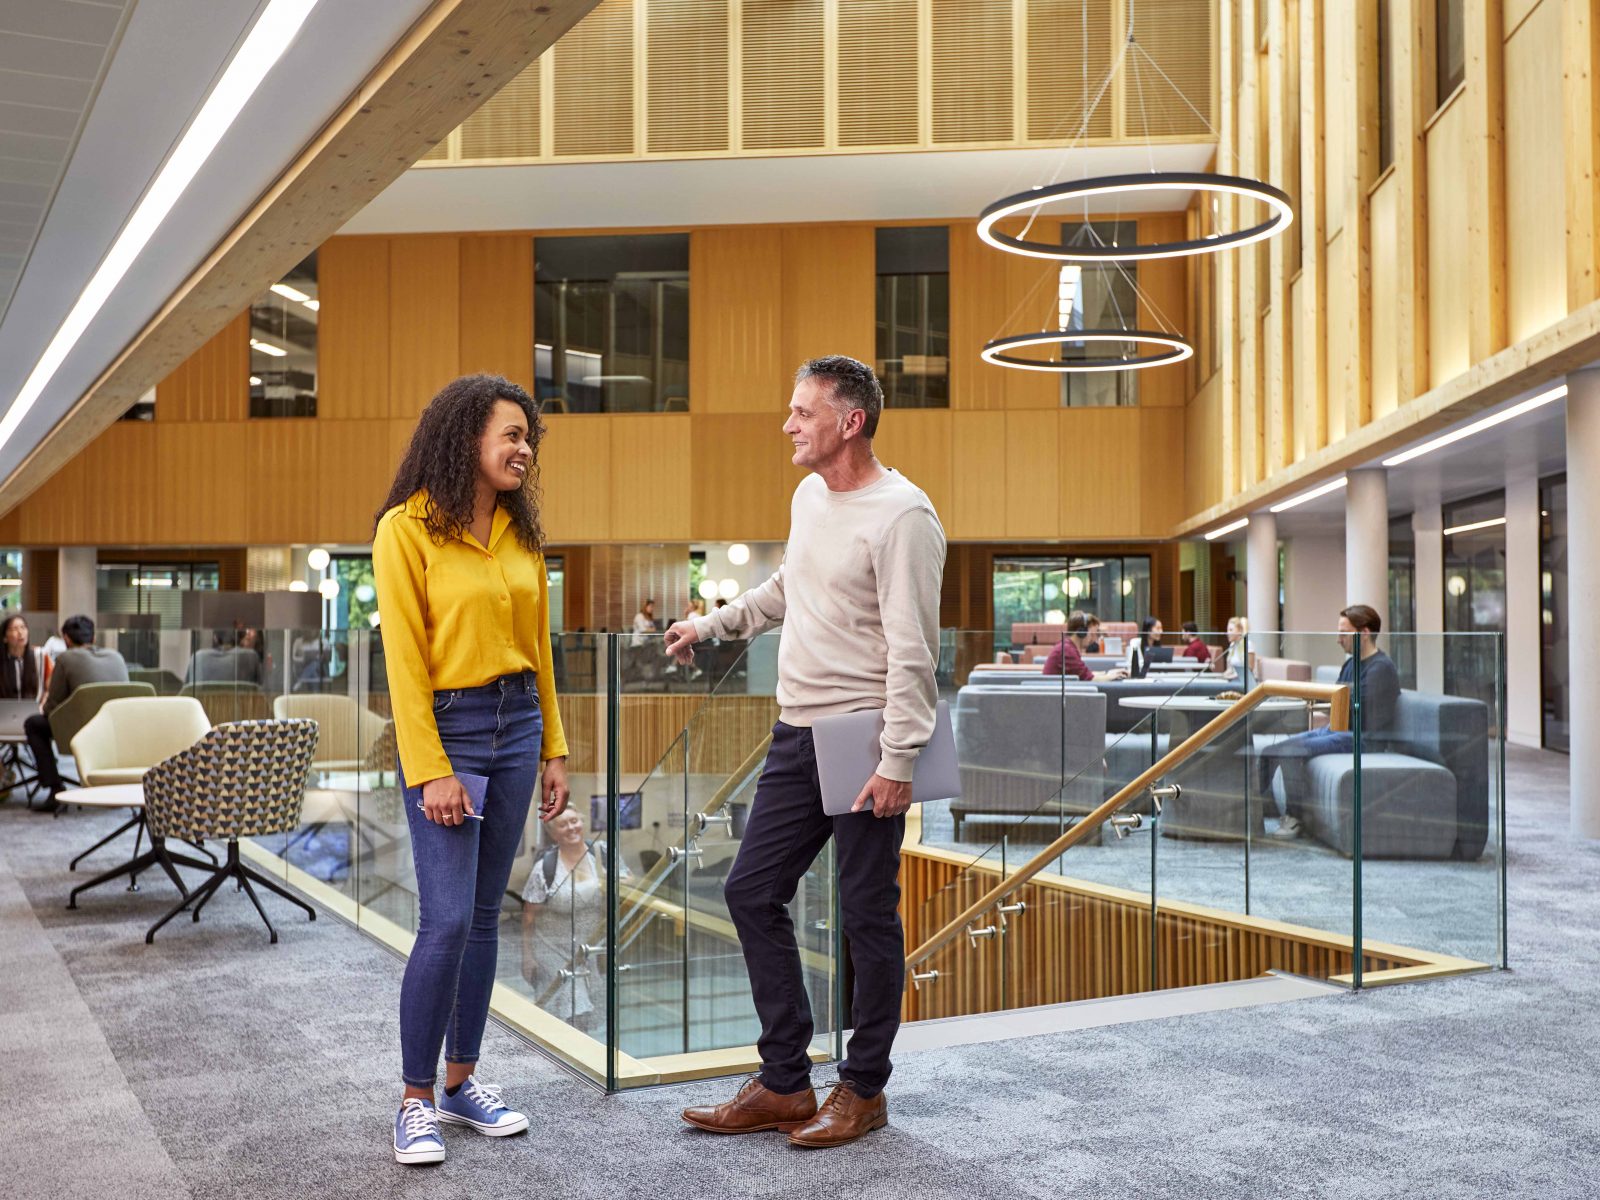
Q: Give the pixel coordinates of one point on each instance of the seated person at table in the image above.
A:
(1231, 662)
(80, 663)
(1139, 657)
(1066, 657)
(225, 662)
(1091, 644)
(1359, 626)
(24, 670)
(1196, 648)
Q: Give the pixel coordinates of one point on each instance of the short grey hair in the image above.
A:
(852, 384)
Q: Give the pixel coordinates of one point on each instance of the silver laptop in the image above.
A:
(13, 713)
(848, 752)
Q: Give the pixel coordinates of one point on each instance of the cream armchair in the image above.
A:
(127, 737)
(346, 732)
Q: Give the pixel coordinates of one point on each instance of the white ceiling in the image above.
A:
(946, 184)
(161, 70)
(52, 56)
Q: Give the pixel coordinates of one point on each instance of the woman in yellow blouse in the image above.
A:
(465, 618)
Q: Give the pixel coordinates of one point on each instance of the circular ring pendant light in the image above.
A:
(1170, 348)
(1279, 218)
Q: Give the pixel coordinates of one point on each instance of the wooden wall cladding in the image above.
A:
(352, 329)
(424, 320)
(829, 292)
(736, 359)
(213, 384)
(496, 275)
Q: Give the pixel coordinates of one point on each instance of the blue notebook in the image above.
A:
(477, 789)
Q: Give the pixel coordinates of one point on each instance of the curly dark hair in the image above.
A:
(443, 458)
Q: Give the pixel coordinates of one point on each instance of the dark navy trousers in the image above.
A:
(786, 831)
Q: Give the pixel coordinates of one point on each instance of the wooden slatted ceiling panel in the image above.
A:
(594, 83)
(508, 125)
(1178, 36)
(781, 42)
(972, 71)
(878, 73)
(688, 71)
(1069, 54)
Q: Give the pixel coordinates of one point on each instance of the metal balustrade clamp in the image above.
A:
(704, 820)
(569, 973)
(1125, 823)
(988, 931)
(918, 978)
(678, 853)
(589, 951)
(1159, 795)
(1011, 910)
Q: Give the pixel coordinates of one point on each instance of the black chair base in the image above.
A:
(236, 870)
(157, 856)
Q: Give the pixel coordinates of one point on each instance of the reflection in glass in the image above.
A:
(1474, 592)
(914, 316)
(611, 323)
(1553, 613)
(1105, 296)
(283, 345)
(1402, 616)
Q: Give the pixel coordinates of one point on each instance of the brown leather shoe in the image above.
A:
(754, 1109)
(843, 1117)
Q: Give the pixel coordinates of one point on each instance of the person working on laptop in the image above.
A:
(858, 598)
(1066, 656)
(80, 663)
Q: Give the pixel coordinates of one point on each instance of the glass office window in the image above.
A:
(1113, 588)
(1450, 46)
(611, 323)
(11, 583)
(283, 345)
(1096, 296)
(356, 601)
(914, 316)
(150, 588)
(1474, 593)
(1403, 598)
(1553, 614)
(555, 572)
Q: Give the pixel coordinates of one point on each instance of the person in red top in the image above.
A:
(1067, 656)
(1196, 648)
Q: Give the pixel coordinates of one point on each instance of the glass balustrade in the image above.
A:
(617, 952)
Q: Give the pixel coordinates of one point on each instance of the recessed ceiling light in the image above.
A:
(267, 348)
(1333, 485)
(1490, 524)
(268, 38)
(1224, 530)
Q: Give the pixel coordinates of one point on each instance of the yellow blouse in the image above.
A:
(457, 616)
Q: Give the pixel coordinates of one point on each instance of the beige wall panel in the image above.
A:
(1515, 11)
(575, 469)
(1161, 470)
(981, 463)
(497, 307)
(353, 328)
(916, 442)
(736, 352)
(424, 319)
(55, 514)
(1341, 340)
(1536, 265)
(1385, 268)
(1163, 305)
(285, 480)
(1448, 353)
(1300, 374)
(650, 477)
(213, 383)
(829, 292)
(360, 470)
(121, 502)
(1102, 463)
(1202, 480)
(739, 477)
(202, 500)
(978, 310)
(1032, 477)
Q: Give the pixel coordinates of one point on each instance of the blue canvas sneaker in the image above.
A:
(416, 1133)
(479, 1105)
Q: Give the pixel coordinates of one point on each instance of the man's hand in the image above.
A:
(887, 797)
(680, 639)
(553, 789)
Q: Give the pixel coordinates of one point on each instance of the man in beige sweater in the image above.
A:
(858, 598)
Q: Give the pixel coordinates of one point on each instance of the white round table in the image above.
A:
(1203, 703)
(131, 796)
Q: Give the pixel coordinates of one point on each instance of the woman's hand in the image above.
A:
(445, 801)
(553, 790)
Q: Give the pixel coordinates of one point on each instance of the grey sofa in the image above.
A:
(1424, 784)
(1016, 746)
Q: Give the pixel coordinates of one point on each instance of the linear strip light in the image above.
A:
(1224, 530)
(1466, 431)
(1490, 524)
(260, 50)
(289, 293)
(268, 348)
(1333, 485)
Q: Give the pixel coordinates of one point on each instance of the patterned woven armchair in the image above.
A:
(243, 779)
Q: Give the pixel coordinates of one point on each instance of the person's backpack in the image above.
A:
(552, 857)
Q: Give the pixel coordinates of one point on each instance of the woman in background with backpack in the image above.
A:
(564, 909)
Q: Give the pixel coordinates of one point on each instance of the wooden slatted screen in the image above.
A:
(1178, 35)
(781, 43)
(1069, 54)
(508, 125)
(593, 67)
(878, 73)
(687, 44)
(972, 76)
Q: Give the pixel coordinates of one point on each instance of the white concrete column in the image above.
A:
(1261, 580)
(1427, 526)
(1524, 623)
(1583, 593)
(76, 594)
(1366, 540)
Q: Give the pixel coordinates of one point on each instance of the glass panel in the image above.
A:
(1402, 612)
(283, 345)
(1475, 591)
(914, 316)
(1450, 46)
(1553, 614)
(611, 323)
(1098, 296)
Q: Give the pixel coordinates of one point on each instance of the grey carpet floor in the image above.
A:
(215, 1065)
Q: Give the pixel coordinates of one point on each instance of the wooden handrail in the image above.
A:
(1336, 695)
